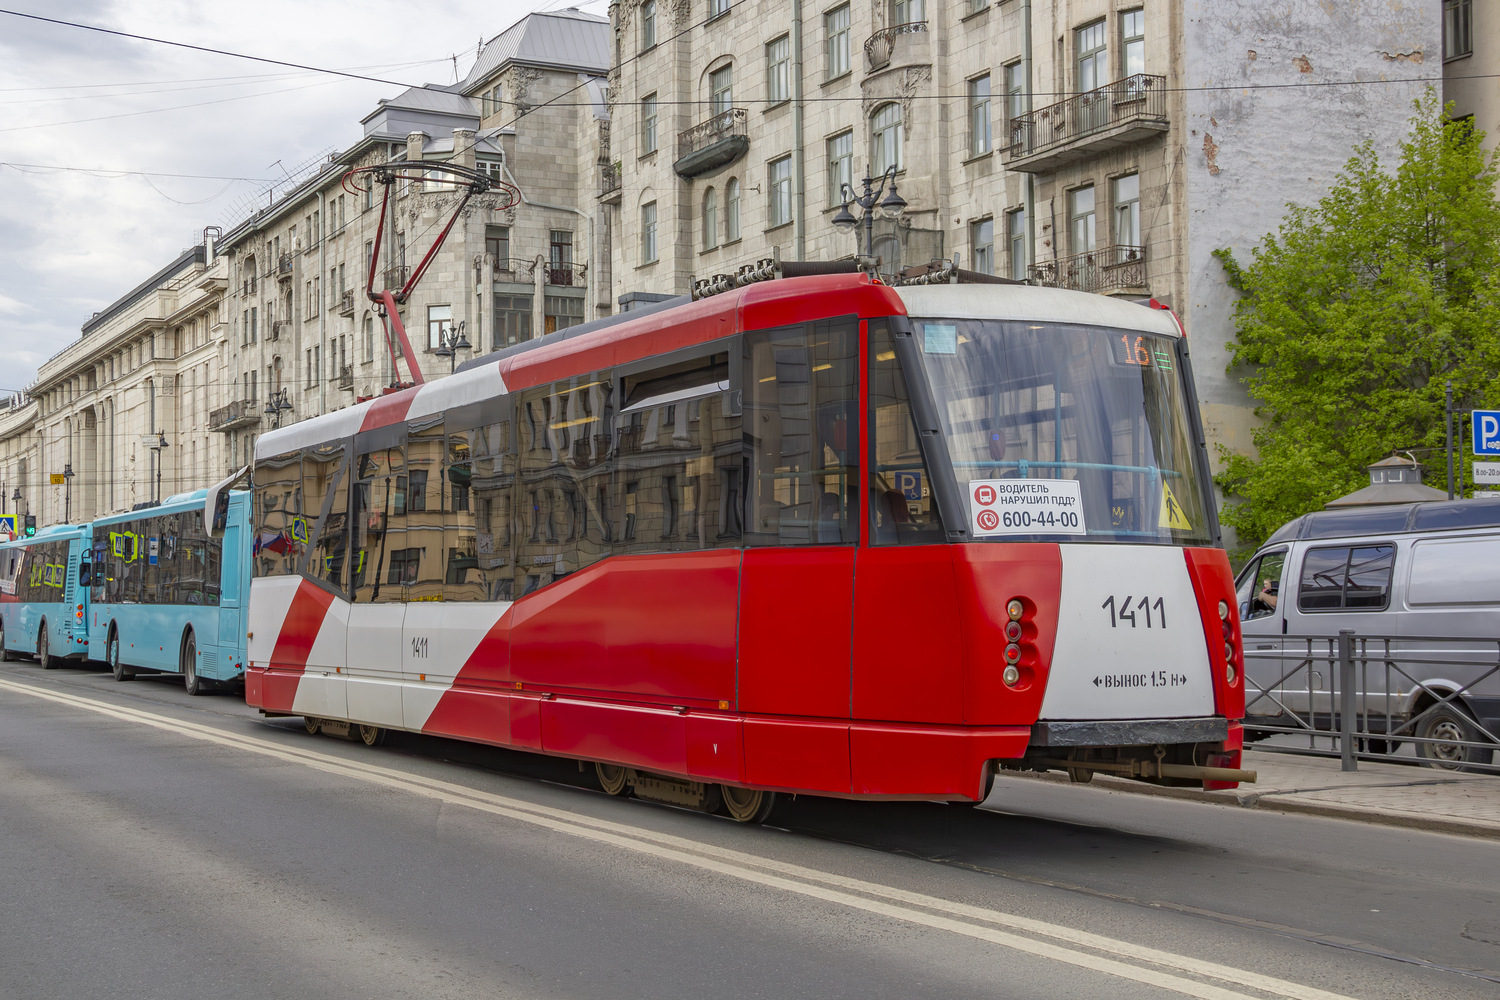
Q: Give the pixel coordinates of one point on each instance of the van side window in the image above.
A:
(1259, 586)
(1347, 578)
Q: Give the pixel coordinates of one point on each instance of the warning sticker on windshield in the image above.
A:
(1172, 515)
(1025, 507)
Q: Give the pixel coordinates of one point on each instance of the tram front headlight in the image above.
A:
(1223, 611)
(1015, 609)
(1010, 676)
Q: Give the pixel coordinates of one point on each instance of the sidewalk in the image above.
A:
(1423, 798)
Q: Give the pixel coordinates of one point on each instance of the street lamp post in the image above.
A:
(276, 405)
(67, 475)
(888, 207)
(450, 342)
(160, 445)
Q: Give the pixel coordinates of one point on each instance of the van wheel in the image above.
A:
(1447, 723)
(120, 670)
(194, 684)
(43, 652)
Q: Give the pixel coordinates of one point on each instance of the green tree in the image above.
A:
(1355, 313)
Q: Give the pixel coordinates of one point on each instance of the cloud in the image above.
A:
(71, 242)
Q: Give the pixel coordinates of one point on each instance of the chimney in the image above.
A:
(415, 142)
(463, 147)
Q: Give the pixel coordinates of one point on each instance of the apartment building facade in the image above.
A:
(1104, 145)
(305, 336)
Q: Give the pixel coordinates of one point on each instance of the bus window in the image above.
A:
(902, 511)
(800, 420)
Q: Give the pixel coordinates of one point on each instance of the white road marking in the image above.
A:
(1073, 946)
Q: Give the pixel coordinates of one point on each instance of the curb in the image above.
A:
(1285, 802)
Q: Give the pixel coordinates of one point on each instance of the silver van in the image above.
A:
(1419, 585)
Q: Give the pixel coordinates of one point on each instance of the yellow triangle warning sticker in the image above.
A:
(1172, 515)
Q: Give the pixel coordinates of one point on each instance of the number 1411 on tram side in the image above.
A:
(815, 535)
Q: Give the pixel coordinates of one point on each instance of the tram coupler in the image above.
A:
(1146, 769)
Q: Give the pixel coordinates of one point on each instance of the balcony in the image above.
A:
(560, 274)
(346, 302)
(1112, 116)
(1106, 270)
(396, 277)
(610, 183)
(503, 269)
(709, 145)
(899, 45)
(240, 413)
(345, 378)
(280, 326)
(283, 268)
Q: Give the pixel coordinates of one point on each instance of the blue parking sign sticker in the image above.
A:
(1487, 432)
(910, 485)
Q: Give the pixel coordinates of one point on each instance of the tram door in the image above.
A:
(802, 506)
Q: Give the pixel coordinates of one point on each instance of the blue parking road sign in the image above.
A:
(1487, 432)
(910, 485)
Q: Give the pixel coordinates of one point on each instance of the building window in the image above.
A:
(732, 210)
(1133, 41)
(254, 322)
(439, 322)
(840, 166)
(512, 321)
(1128, 210)
(1093, 56)
(648, 124)
(710, 219)
(497, 245)
(648, 233)
(561, 311)
(369, 337)
(908, 11)
(491, 101)
(717, 7)
(1458, 38)
(313, 287)
(1015, 237)
(836, 26)
(560, 253)
(1081, 219)
(982, 240)
(779, 208)
(648, 24)
(886, 139)
(778, 70)
(979, 115)
(1015, 92)
(721, 89)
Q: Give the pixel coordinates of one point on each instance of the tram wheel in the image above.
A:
(193, 684)
(43, 652)
(311, 725)
(746, 805)
(371, 736)
(112, 655)
(613, 779)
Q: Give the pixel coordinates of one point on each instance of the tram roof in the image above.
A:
(680, 323)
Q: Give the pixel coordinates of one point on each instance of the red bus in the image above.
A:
(816, 535)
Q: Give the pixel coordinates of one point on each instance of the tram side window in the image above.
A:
(565, 449)
(800, 425)
(420, 564)
(280, 524)
(325, 499)
(902, 511)
(379, 563)
(492, 472)
(470, 569)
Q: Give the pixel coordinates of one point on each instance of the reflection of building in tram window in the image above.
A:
(895, 518)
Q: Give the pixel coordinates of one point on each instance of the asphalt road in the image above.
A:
(155, 845)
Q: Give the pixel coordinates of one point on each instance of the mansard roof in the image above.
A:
(565, 39)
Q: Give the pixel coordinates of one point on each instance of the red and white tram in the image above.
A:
(813, 535)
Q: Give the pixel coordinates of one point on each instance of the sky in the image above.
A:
(72, 241)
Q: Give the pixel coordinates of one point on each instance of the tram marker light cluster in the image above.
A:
(1015, 631)
(1230, 675)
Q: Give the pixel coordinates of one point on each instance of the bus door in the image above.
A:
(230, 565)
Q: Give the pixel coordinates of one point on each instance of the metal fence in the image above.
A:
(1366, 697)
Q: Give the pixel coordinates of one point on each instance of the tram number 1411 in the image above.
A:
(1124, 611)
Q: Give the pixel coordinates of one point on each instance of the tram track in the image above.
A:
(1110, 956)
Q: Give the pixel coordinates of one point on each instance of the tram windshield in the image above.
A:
(1058, 431)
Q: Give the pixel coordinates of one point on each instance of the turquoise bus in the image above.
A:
(168, 595)
(44, 595)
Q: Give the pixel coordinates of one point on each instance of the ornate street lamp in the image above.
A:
(67, 475)
(450, 342)
(276, 405)
(872, 203)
